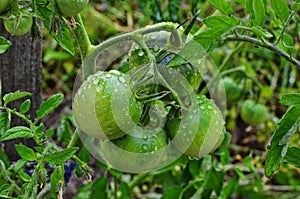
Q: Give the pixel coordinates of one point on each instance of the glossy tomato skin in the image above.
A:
(253, 113)
(4, 5)
(18, 28)
(70, 8)
(210, 131)
(97, 102)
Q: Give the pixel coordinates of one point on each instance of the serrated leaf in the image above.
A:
(61, 156)
(222, 5)
(222, 22)
(49, 105)
(14, 96)
(279, 144)
(4, 122)
(64, 38)
(25, 152)
(261, 32)
(259, 12)
(290, 99)
(16, 132)
(25, 106)
(4, 45)
(293, 156)
(281, 9)
(24, 176)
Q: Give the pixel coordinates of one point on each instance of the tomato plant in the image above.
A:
(234, 91)
(18, 26)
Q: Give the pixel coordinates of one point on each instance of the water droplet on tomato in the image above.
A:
(108, 76)
(145, 147)
(141, 53)
(121, 79)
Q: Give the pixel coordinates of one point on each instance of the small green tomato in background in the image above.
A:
(233, 90)
(4, 5)
(18, 27)
(253, 113)
(70, 8)
(210, 131)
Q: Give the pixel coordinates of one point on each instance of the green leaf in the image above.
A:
(49, 133)
(99, 189)
(293, 156)
(259, 12)
(15, 96)
(172, 193)
(25, 106)
(17, 132)
(64, 39)
(49, 105)
(173, 8)
(296, 6)
(281, 9)
(290, 99)
(279, 143)
(4, 44)
(24, 176)
(25, 152)
(216, 176)
(61, 156)
(4, 122)
(288, 42)
(222, 22)
(230, 188)
(261, 32)
(55, 179)
(222, 5)
(126, 194)
(38, 134)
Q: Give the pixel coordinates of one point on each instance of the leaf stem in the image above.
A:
(286, 23)
(265, 44)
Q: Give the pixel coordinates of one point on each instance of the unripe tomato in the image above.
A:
(18, 28)
(93, 105)
(253, 113)
(136, 154)
(233, 90)
(4, 5)
(70, 8)
(210, 131)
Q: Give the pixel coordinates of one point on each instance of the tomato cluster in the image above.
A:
(110, 107)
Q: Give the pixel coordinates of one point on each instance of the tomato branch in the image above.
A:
(265, 44)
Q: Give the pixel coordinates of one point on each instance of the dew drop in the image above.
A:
(121, 79)
(108, 76)
(96, 81)
(155, 148)
(202, 107)
(141, 53)
(145, 146)
(209, 107)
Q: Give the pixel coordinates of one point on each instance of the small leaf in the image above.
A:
(49, 105)
(4, 45)
(38, 134)
(49, 133)
(24, 176)
(290, 99)
(288, 42)
(216, 176)
(223, 22)
(293, 156)
(61, 156)
(281, 9)
(55, 179)
(296, 6)
(173, 8)
(17, 132)
(14, 96)
(99, 188)
(279, 143)
(230, 188)
(126, 193)
(4, 122)
(25, 106)
(259, 12)
(261, 32)
(174, 192)
(223, 6)
(25, 152)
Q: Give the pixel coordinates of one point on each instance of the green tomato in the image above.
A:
(138, 152)
(70, 8)
(4, 5)
(104, 104)
(210, 131)
(253, 113)
(233, 90)
(18, 27)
